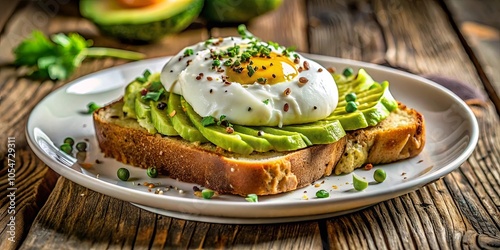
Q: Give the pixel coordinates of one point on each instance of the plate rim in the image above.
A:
(404, 188)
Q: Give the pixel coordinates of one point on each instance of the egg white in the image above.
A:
(254, 104)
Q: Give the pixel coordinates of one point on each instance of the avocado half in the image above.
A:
(230, 11)
(143, 24)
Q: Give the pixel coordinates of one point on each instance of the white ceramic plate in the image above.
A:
(452, 133)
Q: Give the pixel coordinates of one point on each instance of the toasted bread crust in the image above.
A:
(261, 173)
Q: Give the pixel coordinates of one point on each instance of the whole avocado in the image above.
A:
(144, 24)
(237, 11)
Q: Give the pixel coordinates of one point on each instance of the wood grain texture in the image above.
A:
(463, 210)
(459, 211)
(480, 27)
(84, 219)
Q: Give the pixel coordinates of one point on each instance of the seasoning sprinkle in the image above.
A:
(303, 80)
(300, 69)
(209, 78)
(198, 77)
(249, 108)
(296, 60)
(331, 70)
(287, 91)
(274, 75)
(320, 70)
(260, 133)
(315, 107)
(211, 90)
(306, 65)
(286, 107)
(229, 130)
(172, 114)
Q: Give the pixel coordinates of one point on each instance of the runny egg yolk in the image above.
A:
(270, 69)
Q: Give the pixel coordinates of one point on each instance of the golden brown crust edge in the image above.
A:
(190, 162)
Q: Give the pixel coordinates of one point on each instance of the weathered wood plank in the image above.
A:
(457, 210)
(84, 219)
(480, 27)
(286, 25)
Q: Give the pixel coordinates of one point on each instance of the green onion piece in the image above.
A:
(251, 71)
(322, 194)
(207, 121)
(66, 148)
(81, 147)
(252, 198)
(216, 63)
(207, 193)
(379, 175)
(266, 101)
(146, 74)
(123, 174)
(188, 52)
(91, 107)
(69, 141)
(155, 96)
(359, 183)
(351, 107)
(152, 172)
(348, 72)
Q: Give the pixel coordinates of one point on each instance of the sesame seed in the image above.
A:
(286, 107)
(172, 114)
(320, 70)
(300, 69)
(232, 169)
(198, 78)
(264, 67)
(209, 78)
(287, 91)
(181, 191)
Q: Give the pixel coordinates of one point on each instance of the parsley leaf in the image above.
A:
(207, 121)
(58, 57)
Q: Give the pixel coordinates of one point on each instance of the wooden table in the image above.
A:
(451, 38)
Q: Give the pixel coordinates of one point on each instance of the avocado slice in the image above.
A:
(320, 132)
(375, 104)
(230, 11)
(131, 93)
(233, 142)
(181, 122)
(160, 118)
(278, 142)
(141, 24)
(304, 142)
(143, 113)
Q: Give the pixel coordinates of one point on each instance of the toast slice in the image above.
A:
(400, 136)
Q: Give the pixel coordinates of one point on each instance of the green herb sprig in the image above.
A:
(58, 57)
